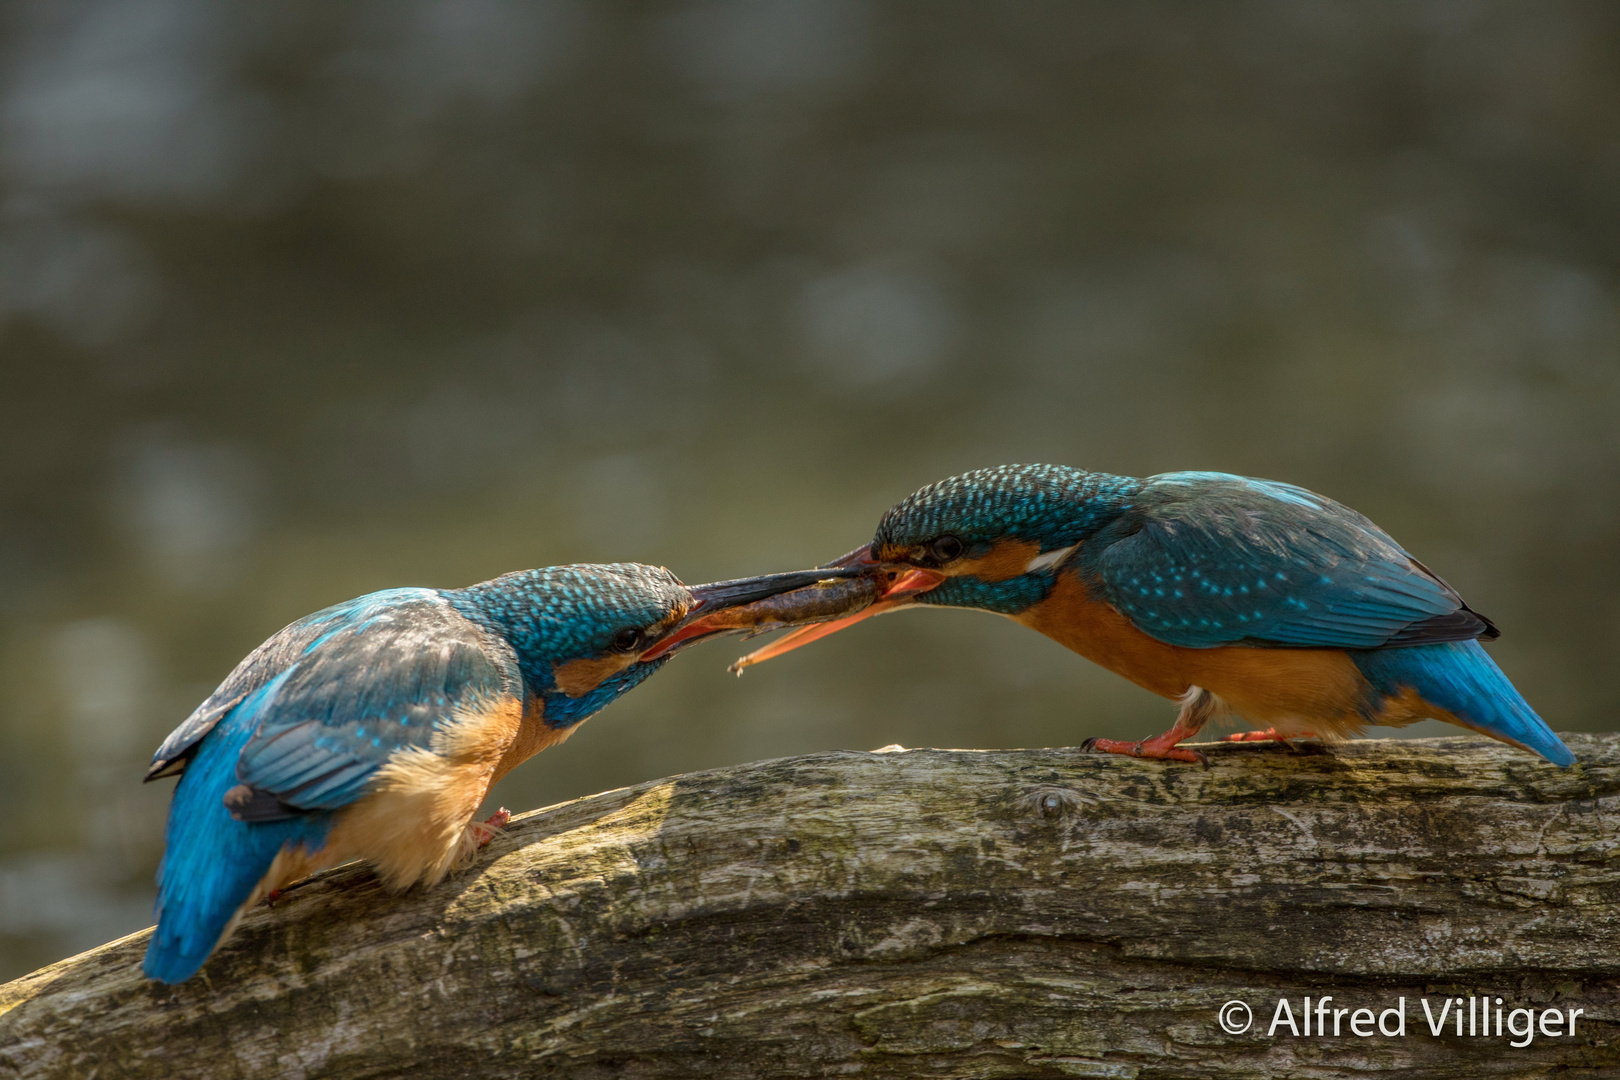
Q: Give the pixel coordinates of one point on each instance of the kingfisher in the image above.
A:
(1232, 596)
(374, 729)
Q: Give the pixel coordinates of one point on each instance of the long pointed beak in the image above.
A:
(724, 606)
(909, 583)
(859, 559)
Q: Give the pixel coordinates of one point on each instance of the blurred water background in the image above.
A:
(303, 300)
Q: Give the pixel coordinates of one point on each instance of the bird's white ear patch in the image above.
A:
(1048, 559)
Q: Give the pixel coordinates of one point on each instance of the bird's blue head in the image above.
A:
(995, 538)
(586, 633)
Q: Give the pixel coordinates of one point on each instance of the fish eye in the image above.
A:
(627, 639)
(945, 548)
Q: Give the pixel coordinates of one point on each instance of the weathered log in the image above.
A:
(1030, 913)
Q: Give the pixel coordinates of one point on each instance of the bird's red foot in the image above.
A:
(490, 828)
(274, 896)
(1268, 735)
(1156, 747)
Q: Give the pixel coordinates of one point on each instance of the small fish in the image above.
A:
(810, 604)
(825, 608)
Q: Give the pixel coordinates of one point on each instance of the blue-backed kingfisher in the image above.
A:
(373, 729)
(1232, 596)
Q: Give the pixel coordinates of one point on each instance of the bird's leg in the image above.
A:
(1197, 706)
(487, 830)
(477, 836)
(1268, 735)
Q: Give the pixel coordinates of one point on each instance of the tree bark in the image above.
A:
(938, 913)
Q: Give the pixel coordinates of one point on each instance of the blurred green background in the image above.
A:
(299, 301)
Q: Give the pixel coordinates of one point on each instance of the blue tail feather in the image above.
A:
(1461, 677)
(211, 861)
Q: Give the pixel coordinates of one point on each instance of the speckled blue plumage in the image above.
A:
(1052, 505)
(1007, 597)
(558, 613)
(1206, 559)
(301, 726)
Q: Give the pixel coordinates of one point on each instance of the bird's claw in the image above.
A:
(1268, 735)
(491, 827)
(275, 896)
(1145, 748)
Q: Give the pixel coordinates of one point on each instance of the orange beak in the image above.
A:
(910, 583)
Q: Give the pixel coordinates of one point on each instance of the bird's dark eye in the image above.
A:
(627, 639)
(946, 548)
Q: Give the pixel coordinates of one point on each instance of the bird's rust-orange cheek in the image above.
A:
(579, 677)
(1008, 559)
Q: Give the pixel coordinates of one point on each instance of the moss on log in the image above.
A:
(1030, 913)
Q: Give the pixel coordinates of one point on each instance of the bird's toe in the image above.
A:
(488, 829)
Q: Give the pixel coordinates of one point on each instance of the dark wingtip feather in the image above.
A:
(165, 767)
(1482, 628)
(1459, 625)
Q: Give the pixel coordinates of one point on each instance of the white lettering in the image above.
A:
(1284, 1011)
(1400, 1013)
(1437, 1022)
(1519, 1026)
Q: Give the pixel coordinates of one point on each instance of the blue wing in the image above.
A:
(258, 669)
(352, 685)
(1208, 559)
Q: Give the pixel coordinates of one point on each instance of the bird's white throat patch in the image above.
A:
(1048, 559)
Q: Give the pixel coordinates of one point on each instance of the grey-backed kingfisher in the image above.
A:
(373, 729)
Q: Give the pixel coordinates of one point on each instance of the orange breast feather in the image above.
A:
(413, 823)
(1286, 688)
